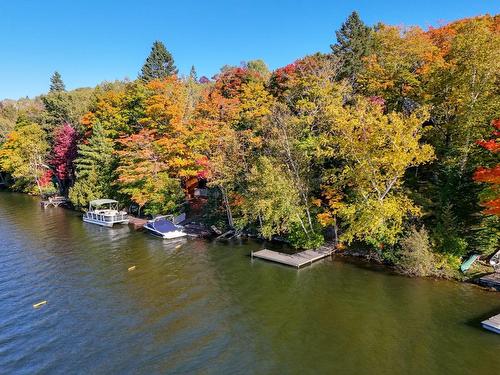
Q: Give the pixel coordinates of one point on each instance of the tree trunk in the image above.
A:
(336, 232)
(228, 208)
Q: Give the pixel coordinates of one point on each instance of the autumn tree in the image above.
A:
(143, 174)
(23, 156)
(486, 234)
(463, 95)
(399, 66)
(64, 152)
(374, 150)
(117, 107)
(159, 64)
(490, 197)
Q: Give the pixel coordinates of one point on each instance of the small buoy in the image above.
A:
(178, 246)
(39, 304)
(131, 268)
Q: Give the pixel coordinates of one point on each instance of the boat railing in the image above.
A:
(107, 218)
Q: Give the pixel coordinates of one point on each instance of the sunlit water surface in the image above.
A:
(200, 307)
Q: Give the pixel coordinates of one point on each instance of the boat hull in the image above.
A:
(167, 235)
(103, 223)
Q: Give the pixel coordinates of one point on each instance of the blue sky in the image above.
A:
(92, 41)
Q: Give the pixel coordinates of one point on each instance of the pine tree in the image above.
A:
(193, 75)
(94, 168)
(353, 44)
(56, 83)
(159, 64)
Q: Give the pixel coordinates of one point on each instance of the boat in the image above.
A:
(495, 260)
(163, 226)
(469, 262)
(105, 212)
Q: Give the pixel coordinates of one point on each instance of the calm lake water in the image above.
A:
(201, 307)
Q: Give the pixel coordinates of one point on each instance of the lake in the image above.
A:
(194, 306)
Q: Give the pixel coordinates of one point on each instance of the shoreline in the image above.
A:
(365, 257)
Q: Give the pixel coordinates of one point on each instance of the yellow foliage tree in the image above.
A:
(374, 150)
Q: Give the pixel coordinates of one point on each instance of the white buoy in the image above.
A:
(39, 304)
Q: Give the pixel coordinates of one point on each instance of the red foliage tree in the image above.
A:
(491, 175)
(64, 153)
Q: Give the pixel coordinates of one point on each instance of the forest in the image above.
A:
(389, 143)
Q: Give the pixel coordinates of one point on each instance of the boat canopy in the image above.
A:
(163, 225)
(100, 202)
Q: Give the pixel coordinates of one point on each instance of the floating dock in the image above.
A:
(491, 281)
(492, 324)
(297, 260)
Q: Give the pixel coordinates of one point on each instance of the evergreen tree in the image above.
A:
(353, 43)
(56, 83)
(193, 75)
(94, 168)
(159, 64)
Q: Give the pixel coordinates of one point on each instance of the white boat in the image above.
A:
(162, 227)
(495, 260)
(105, 212)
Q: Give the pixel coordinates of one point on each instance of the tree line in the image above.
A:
(388, 142)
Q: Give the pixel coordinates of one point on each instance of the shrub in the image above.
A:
(416, 257)
(300, 240)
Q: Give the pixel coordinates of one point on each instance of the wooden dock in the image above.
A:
(136, 223)
(492, 324)
(55, 201)
(297, 260)
(491, 281)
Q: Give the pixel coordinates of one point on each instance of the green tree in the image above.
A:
(260, 67)
(271, 199)
(464, 97)
(56, 83)
(94, 168)
(353, 44)
(192, 74)
(65, 107)
(159, 64)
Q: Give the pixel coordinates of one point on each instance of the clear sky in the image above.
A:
(90, 41)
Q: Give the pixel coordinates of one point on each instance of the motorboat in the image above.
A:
(105, 212)
(164, 227)
(495, 260)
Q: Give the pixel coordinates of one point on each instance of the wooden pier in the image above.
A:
(297, 260)
(492, 324)
(491, 281)
(136, 223)
(54, 202)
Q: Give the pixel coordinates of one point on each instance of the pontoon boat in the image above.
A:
(105, 212)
